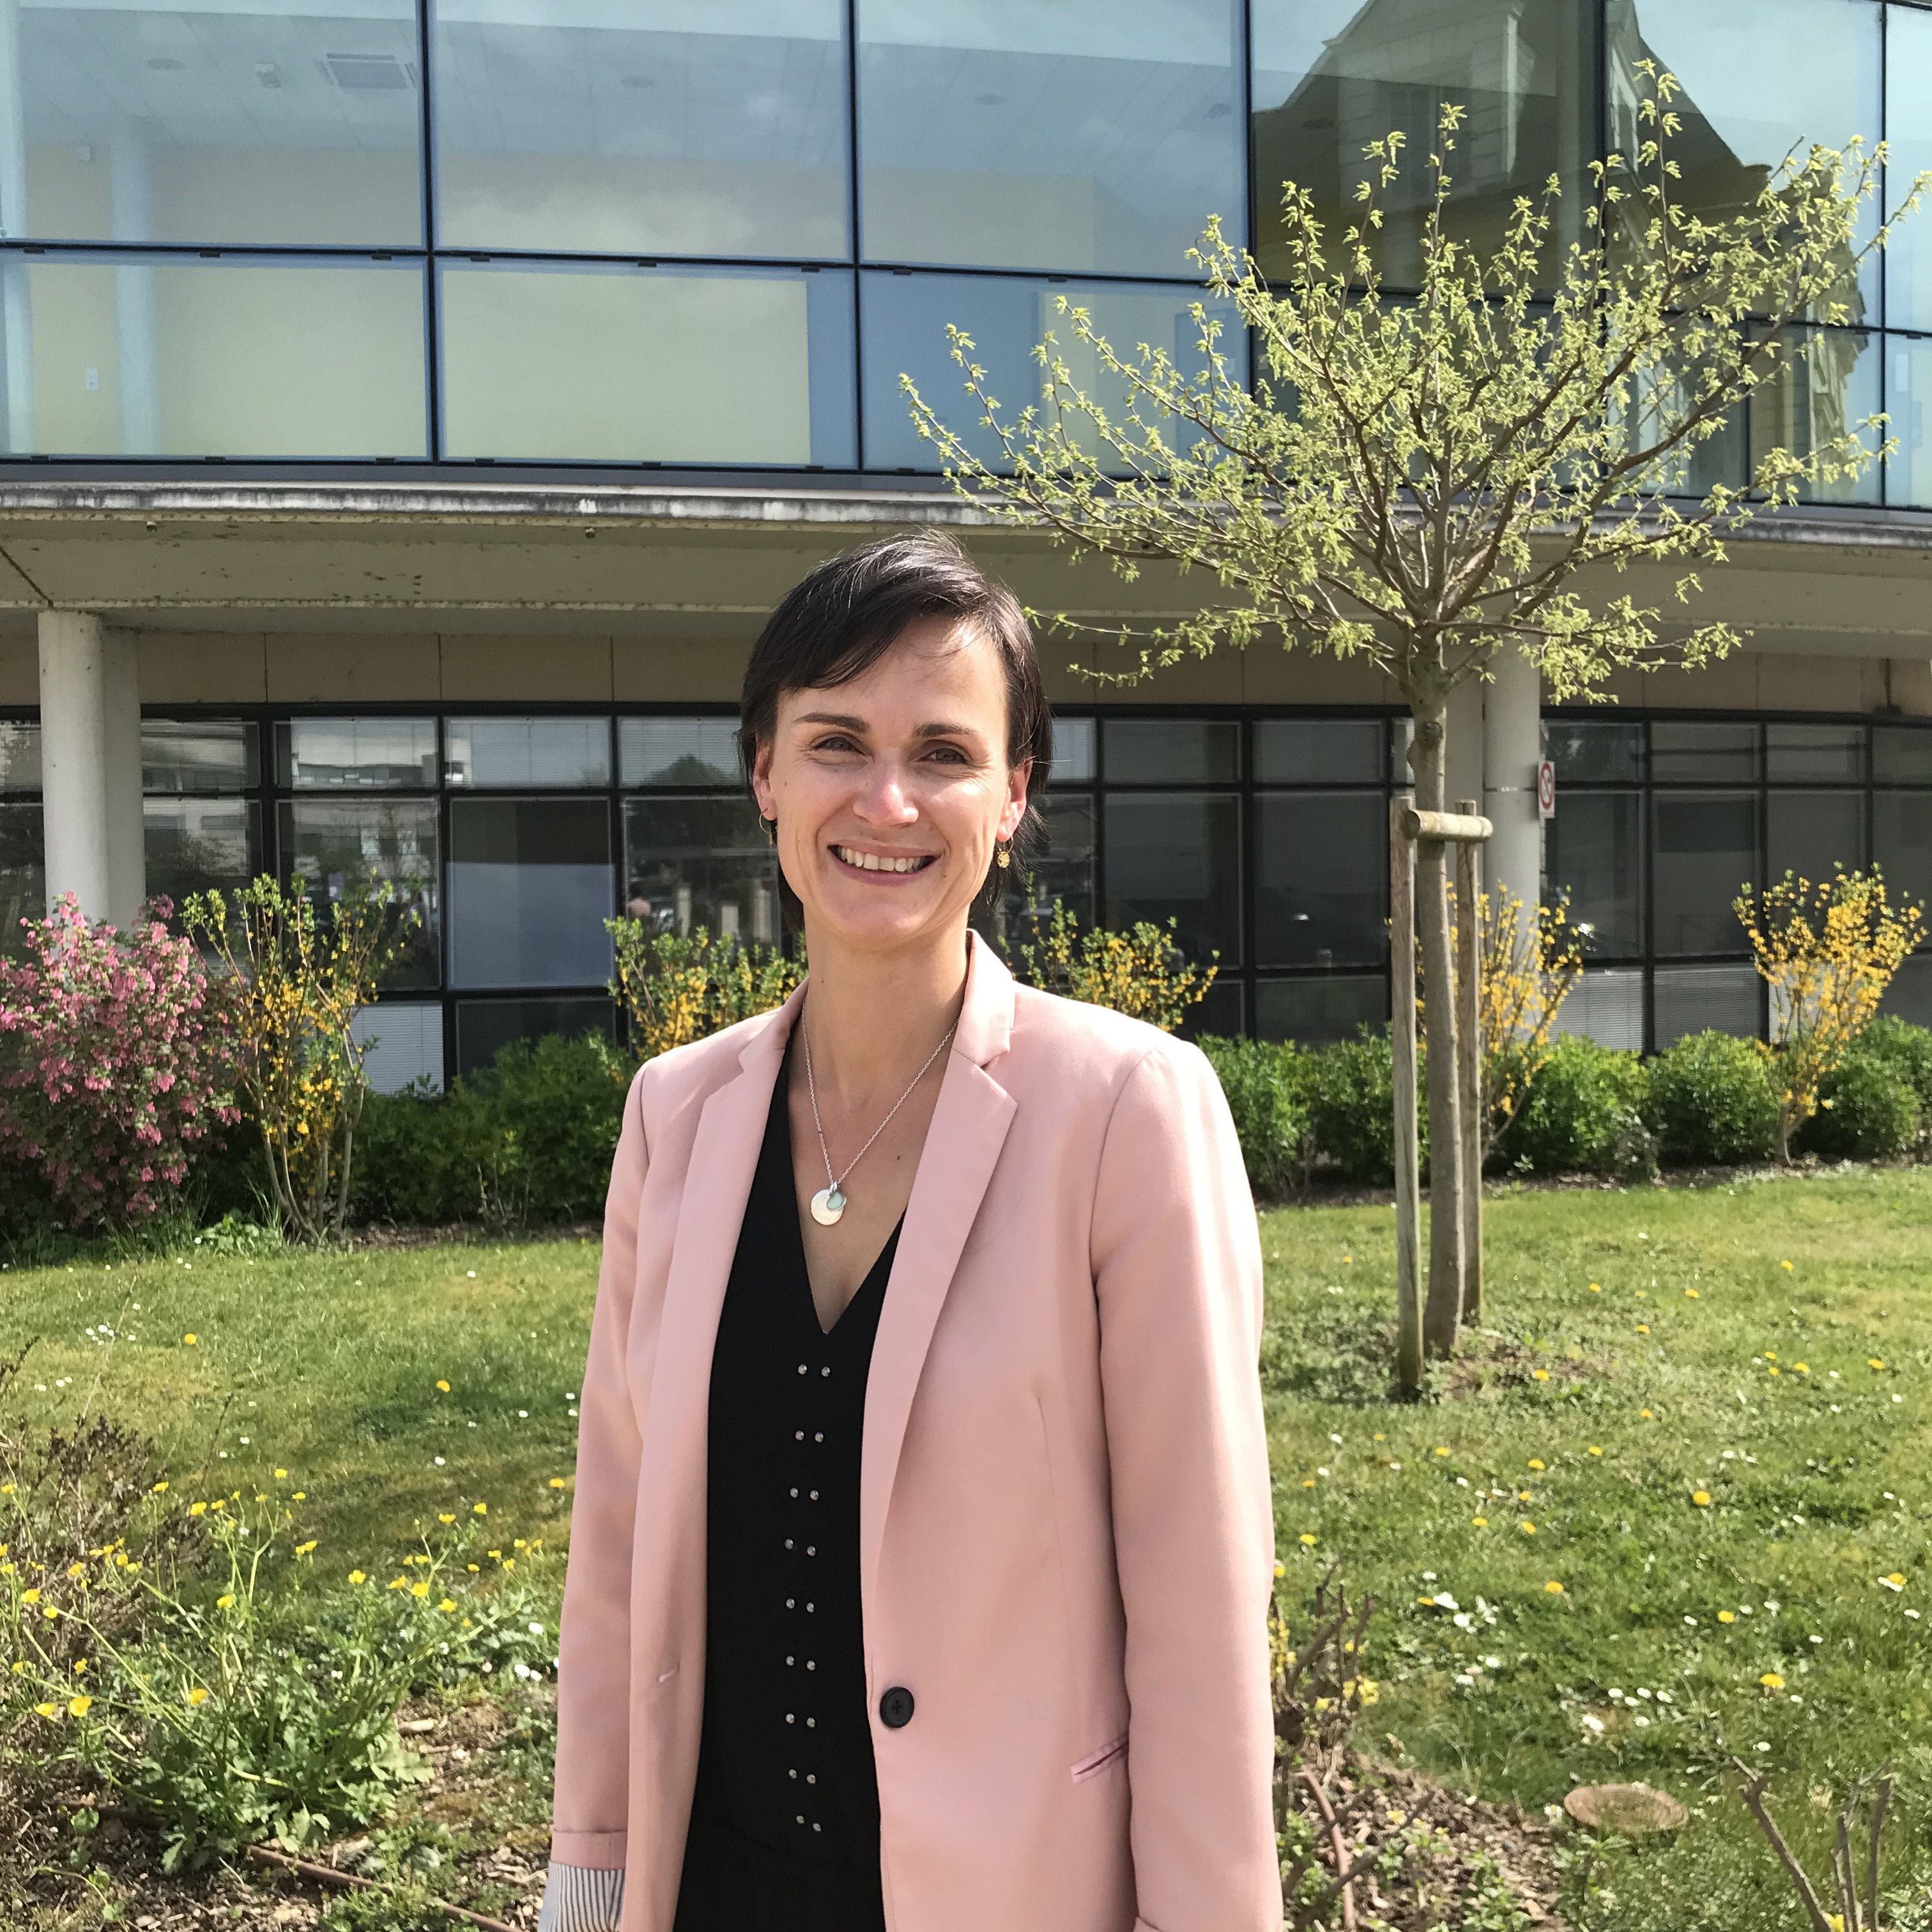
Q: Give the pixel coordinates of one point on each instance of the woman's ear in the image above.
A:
(761, 779)
(1015, 809)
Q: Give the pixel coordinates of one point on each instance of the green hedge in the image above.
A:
(1711, 1101)
(1587, 1112)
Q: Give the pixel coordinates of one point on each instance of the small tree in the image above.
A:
(117, 1064)
(674, 990)
(297, 983)
(1828, 952)
(1420, 482)
(1529, 965)
(1140, 972)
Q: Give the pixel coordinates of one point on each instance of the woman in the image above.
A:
(923, 1534)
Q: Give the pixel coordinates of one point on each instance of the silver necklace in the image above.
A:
(828, 1203)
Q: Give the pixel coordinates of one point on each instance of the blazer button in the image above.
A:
(895, 1708)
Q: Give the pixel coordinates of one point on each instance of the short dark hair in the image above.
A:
(837, 622)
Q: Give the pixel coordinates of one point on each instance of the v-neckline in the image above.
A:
(795, 1223)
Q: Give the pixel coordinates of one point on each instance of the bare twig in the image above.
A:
(1881, 1798)
(1344, 1871)
(343, 1881)
(1753, 1794)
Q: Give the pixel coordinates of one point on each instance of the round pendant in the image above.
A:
(827, 1204)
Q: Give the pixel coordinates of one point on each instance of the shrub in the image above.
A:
(527, 1139)
(1350, 1090)
(1907, 1050)
(1710, 1100)
(1585, 1113)
(1141, 973)
(1264, 1085)
(117, 1066)
(673, 990)
(1877, 1102)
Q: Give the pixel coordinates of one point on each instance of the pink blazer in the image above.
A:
(1066, 1535)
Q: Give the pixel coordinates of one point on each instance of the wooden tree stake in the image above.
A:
(1469, 1060)
(1408, 1173)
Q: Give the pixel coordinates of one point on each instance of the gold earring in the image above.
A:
(1002, 854)
(771, 826)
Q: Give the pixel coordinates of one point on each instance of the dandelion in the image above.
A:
(47, 1710)
(418, 1589)
(30, 1596)
(1772, 1370)
(556, 1482)
(1442, 1452)
(1727, 1616)
(1595, 1449)
(79, 1707)
(1596, 1287)
(444, 1387)
(1536, 1462)
(305, 1549)
(225, 1602)
(358, 1577)
(1646, 1414)
(447, 1605)
(1280, 1567)
(1481, 1522)
(445, 1519)
(281, 1475)
(300, 1496)
(1527, 1528)
(1771, 1680)
(159, 1488)
(1895, 1582)
(1800, 1368)
(479, 1509)
(1786, 1266)
(1555, 1588)
(1692, 1293)
(1701, 1498)
(1541, 1374)
(189, 1341)
(1308, 1541)
(1873, 1362)
(197, 1697)
(1643, 1328)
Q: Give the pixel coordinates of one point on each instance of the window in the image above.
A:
(1172, 750)
(700, 862)
(1073, 741)
(681, 752)
(216, 755)
(1902, 845)
(1812, 833)
(1607, 1004)
(1901, 755)
(19, 757)
(529, 890)
(1909, 402)
(1317, 1010)
(1080, 137)
(1706, 851)
(1585, 754)
(1759, 78)
(1908, 255)
(1320, 896)
(1331, 76)
(1713, 753)
(1318, 751)
(152, 356)
(402, 1042)
(903, 319)
(23, 877)
(207, 125)
(354, 754)
(200, 845)
(1178, 855)
(1593, 857)
(614, 363)
(1817, 754)
(1703, 999)
(538, 752)
(1825, 386)
(484, 1027)
(333, 844)
(651, 129)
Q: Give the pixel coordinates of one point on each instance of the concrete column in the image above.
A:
(1512, 745)
(1462, 749)
(91, 765)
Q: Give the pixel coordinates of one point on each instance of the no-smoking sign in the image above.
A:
(1545, 789)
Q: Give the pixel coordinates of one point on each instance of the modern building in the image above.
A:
(411, 412)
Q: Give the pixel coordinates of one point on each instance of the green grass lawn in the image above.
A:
(1628, 1349)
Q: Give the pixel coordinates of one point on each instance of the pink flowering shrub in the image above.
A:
(115, 1063)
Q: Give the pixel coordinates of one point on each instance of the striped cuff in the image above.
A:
(579, 1898)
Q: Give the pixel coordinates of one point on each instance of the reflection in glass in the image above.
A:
(199, 755)
(1901, 755)
(1824, 386)
(1594, 862)
(1084, 135)
(693, 862)
(1178, 855)
(648, 130)
(1814, 754)
(1759, 78)
(1908, 401)
(904, 320)
(529, 890)
(200, 845)
(333, 844)
(1073, 751)
(1589, 754)
(1607, 1005)
(1172, 750)
(255, 357)
(23, 877)
(1319, 896)
(402, 1042)
(1220, 1012)
(1908, 128)
(1910, 995)
(1316, 1011)
(1702, 753)
(688, 752)
(563, 752)
(1705, 852)
(20, 757)
(620, 364)
(1331, 76)
(484, 1027)
(1318, 751)
(208, 124)
(1902, 845)
(332, 754)
(1062, 875)
(1811, 833)
(1701, 999)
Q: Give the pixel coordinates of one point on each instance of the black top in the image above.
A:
(784, 1830)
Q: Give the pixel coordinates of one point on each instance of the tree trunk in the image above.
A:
(1442, 1311)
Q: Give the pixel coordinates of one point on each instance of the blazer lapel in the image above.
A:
(969, 1127)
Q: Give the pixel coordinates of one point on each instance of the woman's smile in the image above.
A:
(885, 865)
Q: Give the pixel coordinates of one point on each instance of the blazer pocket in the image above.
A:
(1092, 1767)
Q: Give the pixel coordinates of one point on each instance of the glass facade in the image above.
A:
(541, 232)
